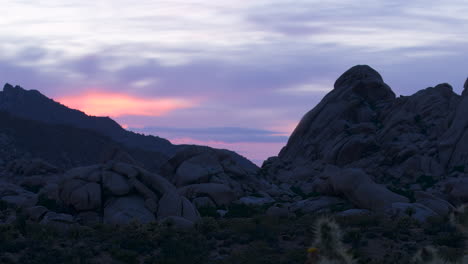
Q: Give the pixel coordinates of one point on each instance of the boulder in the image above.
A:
(88, 173)
(416, 211)
(170, 205)
(82, 195)
(156, 182)
(197, 169)
(315, 204)
(440, 206)
(125, 169)
(219, 193)
(115, 183)
(123, 210)
(362, 191)
(189, 211)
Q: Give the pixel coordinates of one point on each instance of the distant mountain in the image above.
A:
(64, 146)
(74, 128)
(31, 104)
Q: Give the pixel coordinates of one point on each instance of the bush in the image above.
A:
(243, 211)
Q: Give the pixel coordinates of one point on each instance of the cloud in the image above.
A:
(105, 103)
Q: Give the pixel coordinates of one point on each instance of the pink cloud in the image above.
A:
(105, 103)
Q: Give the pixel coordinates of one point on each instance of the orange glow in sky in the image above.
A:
(103, 103)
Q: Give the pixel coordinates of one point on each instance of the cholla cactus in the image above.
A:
(327, 246)
(428, 255)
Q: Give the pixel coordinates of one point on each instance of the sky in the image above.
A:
(233, 74)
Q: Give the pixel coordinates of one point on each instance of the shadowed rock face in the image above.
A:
(465, 87)
(410, 143)
(354, 103)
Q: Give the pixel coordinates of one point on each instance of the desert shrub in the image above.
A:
(207, 225)
(124, 255)
(426, 181)
(183, 247)
(208, 211)
(243, 211)
(459, 168)
(3, 205)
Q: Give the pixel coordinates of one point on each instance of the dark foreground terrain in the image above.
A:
(366, 177)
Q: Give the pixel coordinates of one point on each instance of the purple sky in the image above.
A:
(232, 74)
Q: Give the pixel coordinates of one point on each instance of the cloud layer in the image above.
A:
(248, 66)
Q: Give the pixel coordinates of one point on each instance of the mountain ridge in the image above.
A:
(31, 104)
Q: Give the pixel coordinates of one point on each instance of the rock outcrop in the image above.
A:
(384, 149)
(120, 193)
(221, 176)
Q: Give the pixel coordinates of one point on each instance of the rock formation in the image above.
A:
(376, 150)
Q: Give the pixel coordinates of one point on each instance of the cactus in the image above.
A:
(327, 246)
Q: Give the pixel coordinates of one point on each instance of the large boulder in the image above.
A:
(358, 188)
(438, 205)
(170, 205)
(197, 169)
(116, 184)
(315, 204)
(124, 210)
(202, 165)
(82, 195)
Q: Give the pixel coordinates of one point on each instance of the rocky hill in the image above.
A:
(31, 104)
(392, 171)
(361, 135)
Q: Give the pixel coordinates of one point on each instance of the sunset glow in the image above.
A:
(255, 152)
(99, 103)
